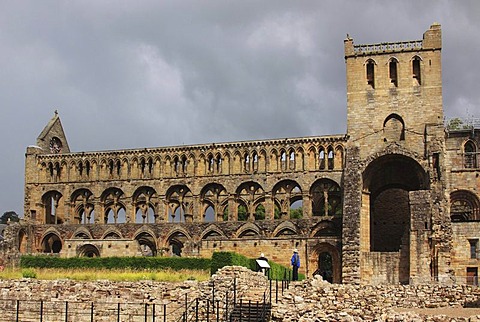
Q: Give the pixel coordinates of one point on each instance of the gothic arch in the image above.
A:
(464, 206)
(393, 128)
(214, 195)
(326, 196)
(147, 242)
(285, 193)
(82, 233)
(51, 203)
(212, 231)
(248, 229)
(285, 229)
(112, 233)
(88, 250)
(51, 242)
(113, 203)
(329, 267)
(82, 204)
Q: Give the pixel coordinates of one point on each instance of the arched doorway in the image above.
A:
(325, 266)
(88, 250)
(328, 262)
(51, 243)
(389, 182)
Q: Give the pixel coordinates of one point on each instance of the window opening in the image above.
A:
(371, 74)
(473, 248)
(393, 72)
(470, 155)
(416, 70)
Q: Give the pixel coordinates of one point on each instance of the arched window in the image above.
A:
(464, 206)
(416, 71)
(371, 73)
(470, 155)
(392, 69)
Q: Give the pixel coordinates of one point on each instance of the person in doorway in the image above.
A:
(295, 261)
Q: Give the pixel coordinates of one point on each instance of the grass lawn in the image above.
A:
(105, 274)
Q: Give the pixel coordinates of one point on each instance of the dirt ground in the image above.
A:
(454, 312)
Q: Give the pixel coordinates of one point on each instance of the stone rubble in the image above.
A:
(312, 300)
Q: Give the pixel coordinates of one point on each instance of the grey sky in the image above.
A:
(128, 74)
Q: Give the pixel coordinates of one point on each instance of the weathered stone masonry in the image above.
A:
(394, 200)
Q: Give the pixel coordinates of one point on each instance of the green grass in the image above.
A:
(85, 274)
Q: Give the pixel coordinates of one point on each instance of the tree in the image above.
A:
(296, 213)
(12, 215)
(457, 124)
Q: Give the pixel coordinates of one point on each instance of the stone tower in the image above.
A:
(394, 159)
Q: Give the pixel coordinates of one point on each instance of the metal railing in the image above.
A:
(56, 311)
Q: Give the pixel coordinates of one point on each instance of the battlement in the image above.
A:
(388, 47)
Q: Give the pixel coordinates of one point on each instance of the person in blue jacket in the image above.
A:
(295, 261)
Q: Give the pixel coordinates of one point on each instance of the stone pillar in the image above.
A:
(269, 207)
(307, 206)
(351, 217)
(420, 223)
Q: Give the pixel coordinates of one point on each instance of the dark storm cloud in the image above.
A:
(127, 74)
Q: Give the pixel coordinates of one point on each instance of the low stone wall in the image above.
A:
(317, 300)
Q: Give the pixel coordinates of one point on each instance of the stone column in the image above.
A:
(351, 217)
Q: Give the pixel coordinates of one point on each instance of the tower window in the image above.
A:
(392, 67)
(470, 155)
(416, 70)
(371, 73)
(473, 248)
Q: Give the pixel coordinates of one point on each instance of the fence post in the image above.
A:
(18, 310)
(118, 312)
(186, 304)
(213, 295)
(234, 291)
(66, 311)
(146, 312)
(226, 304)
(41, 310)
(164, 312)
(196, 309)
(241, 310)
(218, 309)
(249, 309)
(208, 310)
(91, 313)
(276, 291)
(153, 313)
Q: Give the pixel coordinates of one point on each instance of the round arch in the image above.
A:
(88, 250)
(326, 258)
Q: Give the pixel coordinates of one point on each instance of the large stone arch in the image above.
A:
(51, 242)
(176, 240)
(146, 240)
(213, 195)
(82, 206)
(53, 208)
(326, 196)
(179, 200)
(393, 183)
(285, 193)
(88, 250)
(144, 201)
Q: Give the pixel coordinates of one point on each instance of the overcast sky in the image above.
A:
(132, 74)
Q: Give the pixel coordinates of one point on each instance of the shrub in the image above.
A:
(29, 273)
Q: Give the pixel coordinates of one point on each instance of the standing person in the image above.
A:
(295, 261)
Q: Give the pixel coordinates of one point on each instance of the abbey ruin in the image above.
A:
(394, 200)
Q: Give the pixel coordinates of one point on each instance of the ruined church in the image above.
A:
(393, 200)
